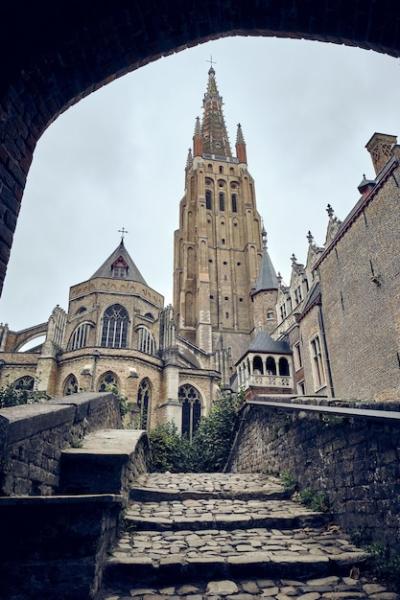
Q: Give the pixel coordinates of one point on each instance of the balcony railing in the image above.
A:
(270, 381)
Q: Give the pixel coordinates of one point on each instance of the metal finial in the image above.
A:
(212, 62)
(310, 237)
(293, 258)
(122, 231)
(279, 277)
(330, 211)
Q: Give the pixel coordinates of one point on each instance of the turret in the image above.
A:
(197, 139)
(265, 293)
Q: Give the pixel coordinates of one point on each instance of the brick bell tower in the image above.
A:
(217, 248)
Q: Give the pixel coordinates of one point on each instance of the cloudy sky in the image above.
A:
(117, 159)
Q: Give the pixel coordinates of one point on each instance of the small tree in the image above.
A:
(10, 396)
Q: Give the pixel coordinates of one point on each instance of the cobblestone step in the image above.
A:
(220, 514)
(327, 588)
(158, 487)
(187, 555)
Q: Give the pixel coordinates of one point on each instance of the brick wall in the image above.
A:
(33, 436)
(354, 461)
(362, 319)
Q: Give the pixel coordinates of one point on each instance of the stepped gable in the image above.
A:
(120, 258)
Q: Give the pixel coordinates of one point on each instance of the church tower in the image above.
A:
(217, 248)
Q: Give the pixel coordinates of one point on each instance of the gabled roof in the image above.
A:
(120, 254)
(313, 298)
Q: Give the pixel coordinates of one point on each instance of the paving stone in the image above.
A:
(222, 588)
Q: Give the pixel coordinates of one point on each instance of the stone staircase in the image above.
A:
(237, 536)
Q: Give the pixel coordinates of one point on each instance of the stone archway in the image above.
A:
(56, 56)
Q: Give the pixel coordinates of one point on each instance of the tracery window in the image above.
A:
(107, 381)
(115, 327)
(24, 383)
(143, 401)
(145, 341)
(70, 385)
(191, 409)
(79, 338)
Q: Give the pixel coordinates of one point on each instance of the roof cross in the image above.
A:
(122, 231)
(211, 61)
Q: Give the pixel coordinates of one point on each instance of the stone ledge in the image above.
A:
(85, 402)
(44, 501)
(21, 422)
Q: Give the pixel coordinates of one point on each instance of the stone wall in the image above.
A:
(354, 461)
(33, 436)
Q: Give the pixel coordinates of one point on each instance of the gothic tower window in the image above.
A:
(145, 341)
(234, 203)
(208, 200)
(24, 383)
(143, 401)
(115, 327)
(70, 385)
(79, 338)
(221, 201)
(189, 397)
(107, 381)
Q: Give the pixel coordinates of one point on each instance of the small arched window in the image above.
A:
(145, 341)
(284, 367)
(149, 315)
(70, 385)
(143, 401)
(115, 327)
(221, 201)
(234, 203)
(258, 367)
(191, 409)
(24, 383)
(107, 381)
(209, 167)
(80, 337)
(271, 366)
(221, 169)
(208, 199)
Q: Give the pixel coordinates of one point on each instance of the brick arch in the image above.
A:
(57, 55)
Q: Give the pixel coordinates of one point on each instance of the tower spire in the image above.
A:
(197, 139)
(240, 145)
(214, 135)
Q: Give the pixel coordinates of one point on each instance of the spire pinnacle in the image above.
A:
(264, 238)
(197, 128)
(330, 211)
(310, 238)
(189, 160)
(239, 135)
(214, 135)
(240, 145)
(293, 258)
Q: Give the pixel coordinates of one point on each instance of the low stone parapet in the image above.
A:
(32, 437)
(108, 461)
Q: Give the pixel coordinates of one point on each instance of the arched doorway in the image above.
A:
(189, 398)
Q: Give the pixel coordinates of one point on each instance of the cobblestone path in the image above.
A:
(234, 536)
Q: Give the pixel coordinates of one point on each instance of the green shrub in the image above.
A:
(123, 400)
(210, 446)
(9, 396)
(170, 451)
(385, 563)
(317, 501)
(288, 481)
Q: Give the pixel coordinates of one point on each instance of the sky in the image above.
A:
(117, 158)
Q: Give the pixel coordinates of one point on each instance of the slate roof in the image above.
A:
(314, 297)
(267, 279)
(133, 272)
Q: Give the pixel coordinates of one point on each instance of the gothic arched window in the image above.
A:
(191, 409)
(70, 385)
(208, 200)
(258, 365)
(221, 196)
(115, 327)
(107, 381)
(271, 366)
(284, 367)
(143, 401)
(79, 338)
(24, 383)
(234, 203)
(146, 342)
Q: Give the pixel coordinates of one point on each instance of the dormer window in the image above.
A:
(119, 268)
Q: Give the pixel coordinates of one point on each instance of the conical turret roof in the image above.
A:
(120, 256)
(267, 279)
(214, 134)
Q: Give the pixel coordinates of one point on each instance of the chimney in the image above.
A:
(380, 148)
